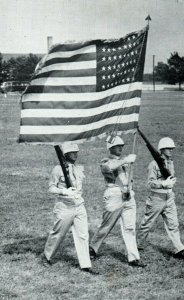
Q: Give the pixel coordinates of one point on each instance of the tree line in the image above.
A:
(22, 68)
(18, 69)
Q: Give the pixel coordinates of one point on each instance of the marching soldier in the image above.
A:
(161, 200)
(69, 210)
(119, 203)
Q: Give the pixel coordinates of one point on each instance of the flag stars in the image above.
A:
(118, 62)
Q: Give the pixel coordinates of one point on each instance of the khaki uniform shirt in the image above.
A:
(116, 180)
(76, 173)
(114, 172)
(155, 178)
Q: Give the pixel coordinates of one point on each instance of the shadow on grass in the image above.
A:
(168, 254)
(4, 294)
(33, 245)
(36, 246)
(107, 250)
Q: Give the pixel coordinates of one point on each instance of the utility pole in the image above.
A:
(153, 73)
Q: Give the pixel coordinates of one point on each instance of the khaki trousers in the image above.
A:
(76, 218)
(127, 216)
(164, 205)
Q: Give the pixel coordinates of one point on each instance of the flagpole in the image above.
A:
(131, 168)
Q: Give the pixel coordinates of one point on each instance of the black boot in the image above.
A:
(90, 271)
(92, 253)
(137, 263)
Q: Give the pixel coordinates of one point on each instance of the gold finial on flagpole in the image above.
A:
(148, 18)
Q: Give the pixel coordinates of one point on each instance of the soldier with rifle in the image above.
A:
(119, 202)
(69, 210)
(161, 200)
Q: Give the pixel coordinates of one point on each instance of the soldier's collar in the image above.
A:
(165, 158)
(114, 156)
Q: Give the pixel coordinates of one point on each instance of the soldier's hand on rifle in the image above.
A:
(70, 191)
(169, 182)
(132, 194)
(130, 158)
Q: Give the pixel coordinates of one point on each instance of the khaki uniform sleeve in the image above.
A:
(79, 177)
(111, 164)
(154, 176)
(57, 177)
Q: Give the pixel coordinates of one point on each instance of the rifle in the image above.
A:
(64, 166)
(157, 156)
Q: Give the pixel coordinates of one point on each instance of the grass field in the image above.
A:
(26, 216)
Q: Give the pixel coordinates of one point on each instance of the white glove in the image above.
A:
(169, 182)
(130, 158)
(70, 192)
(132, 194)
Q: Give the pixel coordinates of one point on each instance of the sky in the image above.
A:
(25, 24)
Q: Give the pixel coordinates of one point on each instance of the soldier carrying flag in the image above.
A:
(161, 200)
(119, 202)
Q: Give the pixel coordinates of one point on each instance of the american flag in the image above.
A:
(83, 90)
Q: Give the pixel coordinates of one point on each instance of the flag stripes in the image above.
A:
(79, 65)
(60, 81)
(78, 113)
(82, 90)
(122, 89)
(53, 103)
(61, 89)
(67, 73)
(76, 129)
(75, 58)
(79, 137)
